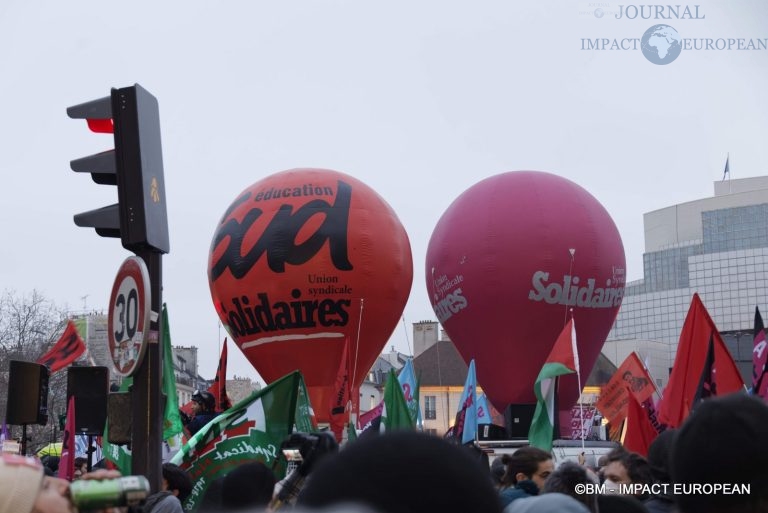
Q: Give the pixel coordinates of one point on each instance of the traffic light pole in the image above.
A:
(139, 218)
(146, 394)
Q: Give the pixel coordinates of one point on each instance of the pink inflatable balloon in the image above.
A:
(507, 262)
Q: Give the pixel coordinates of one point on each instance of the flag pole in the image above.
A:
(407, 339)
(572, 252)
(354, 402)
(578, 379)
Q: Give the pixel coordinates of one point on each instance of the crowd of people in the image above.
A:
(723, 442)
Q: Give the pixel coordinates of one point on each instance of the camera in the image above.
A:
(307, 448)
(302, 451)
(93, 494)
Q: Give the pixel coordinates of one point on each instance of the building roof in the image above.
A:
(451, 371)
(377, 376)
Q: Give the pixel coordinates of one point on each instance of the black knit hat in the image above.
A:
(722, 441)
(402, 472)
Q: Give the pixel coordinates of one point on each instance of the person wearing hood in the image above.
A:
(723, 441)
(658, 459)
(527, 470)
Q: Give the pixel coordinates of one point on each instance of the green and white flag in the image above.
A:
(252, 430)
(395, 415)
(563, 359)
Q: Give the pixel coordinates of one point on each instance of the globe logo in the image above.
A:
(599, 13)
(661, 44)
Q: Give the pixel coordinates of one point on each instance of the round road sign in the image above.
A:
(128, 321)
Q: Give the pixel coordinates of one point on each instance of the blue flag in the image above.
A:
(483, 411)
(407, 379)
(465, 426)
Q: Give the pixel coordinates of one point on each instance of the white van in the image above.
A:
(562, 450)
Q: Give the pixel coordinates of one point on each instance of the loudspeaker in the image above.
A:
(491, 432)
(27, 393)
(89, 386)
(119, 418)
(518, 418)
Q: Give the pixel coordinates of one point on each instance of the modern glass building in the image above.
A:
(715, 246)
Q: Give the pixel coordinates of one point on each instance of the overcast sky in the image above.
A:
(419, 99)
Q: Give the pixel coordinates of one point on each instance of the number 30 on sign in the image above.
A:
(128, 320)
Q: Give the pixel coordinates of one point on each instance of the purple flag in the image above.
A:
(759, 357)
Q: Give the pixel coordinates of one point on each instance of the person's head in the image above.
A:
(564, 480)
(249, 485)
(610, 503)
(203, 401)
(211, 501)
(624, 467)
(24, 488)
(528, 463)
(658, 455)
(401, 472)
(51, 462)
(177, 481)
(627, 376)
(547, 503)
(723, 441)
(497, 472)
(81, 467)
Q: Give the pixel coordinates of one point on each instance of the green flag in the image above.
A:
(395, 414)
(252, 430)
(171, 419)
(305, 415)
(562, 359)
(351, 432)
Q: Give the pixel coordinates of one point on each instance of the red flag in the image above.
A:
(219, 386)
(67, 461)
(65, 351)
(630, 377)
(368, 418)
(338, 404)
(759, 359)
(679, 396)
(640, 432)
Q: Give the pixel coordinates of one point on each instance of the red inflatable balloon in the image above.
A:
(501, 278)
(302, 261)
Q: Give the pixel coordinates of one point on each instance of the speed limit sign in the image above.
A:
(128, 320)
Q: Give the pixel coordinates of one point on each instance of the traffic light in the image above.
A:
(140, 217)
